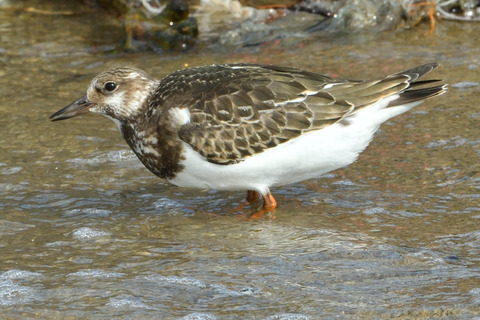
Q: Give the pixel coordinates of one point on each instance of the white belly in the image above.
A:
(308, 156)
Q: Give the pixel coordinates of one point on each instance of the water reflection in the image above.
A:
(86, 231)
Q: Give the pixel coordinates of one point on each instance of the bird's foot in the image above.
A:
(252, 196)
(269, 205)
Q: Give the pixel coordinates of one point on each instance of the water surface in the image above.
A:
(86, 231)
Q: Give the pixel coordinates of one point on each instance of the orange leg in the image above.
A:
(252, 196)
(269, 204)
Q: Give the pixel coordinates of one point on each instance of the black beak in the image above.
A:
(75, 108)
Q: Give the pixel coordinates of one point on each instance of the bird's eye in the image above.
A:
(110, 86)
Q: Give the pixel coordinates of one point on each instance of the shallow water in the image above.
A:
(86, 231)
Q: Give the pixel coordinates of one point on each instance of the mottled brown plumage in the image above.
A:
(240, 110)
(248, 126)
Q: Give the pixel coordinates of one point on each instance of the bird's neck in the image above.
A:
(157, 146)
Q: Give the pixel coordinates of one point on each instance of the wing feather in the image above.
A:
(240, 110)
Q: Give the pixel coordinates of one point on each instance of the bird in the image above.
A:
(248, 127)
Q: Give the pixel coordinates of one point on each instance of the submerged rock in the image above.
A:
(362, 15)
(151, 24)
(226, 24)
(229, 23)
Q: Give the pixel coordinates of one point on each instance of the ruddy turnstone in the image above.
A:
(248, 126)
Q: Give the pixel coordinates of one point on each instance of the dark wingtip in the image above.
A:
(418, 71)
(419, 90)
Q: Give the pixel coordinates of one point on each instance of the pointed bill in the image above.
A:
(75, 108)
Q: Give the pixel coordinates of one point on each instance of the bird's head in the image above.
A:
(118, 93)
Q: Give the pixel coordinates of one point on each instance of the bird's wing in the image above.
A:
(240, 110)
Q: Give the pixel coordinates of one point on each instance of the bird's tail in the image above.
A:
(418, 90)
